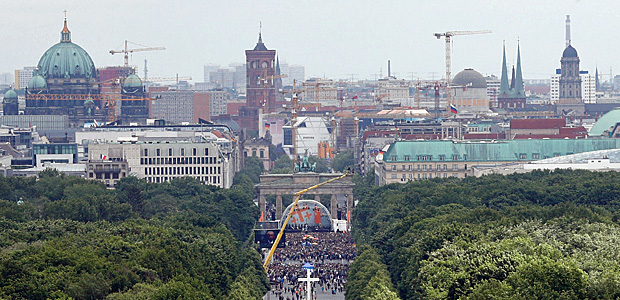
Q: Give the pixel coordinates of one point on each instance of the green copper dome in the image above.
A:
(10, 95)
(66, 60)
(132, 81)
(37, 82)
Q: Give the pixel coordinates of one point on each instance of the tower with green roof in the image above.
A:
(511, 94)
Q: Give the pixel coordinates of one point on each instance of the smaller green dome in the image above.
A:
(132, 81)
(37, 82)
(10, 95)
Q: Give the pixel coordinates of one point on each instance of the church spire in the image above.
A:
(65, 34)
(260, 45)
(503, 88)
(278, 65)
(519, 88)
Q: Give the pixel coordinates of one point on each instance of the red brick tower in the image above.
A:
(260, 84)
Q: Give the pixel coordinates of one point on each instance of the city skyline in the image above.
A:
(337, 40)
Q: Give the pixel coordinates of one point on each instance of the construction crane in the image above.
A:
(448, 37)
(163, 79)
(127, 51)
(266, 79)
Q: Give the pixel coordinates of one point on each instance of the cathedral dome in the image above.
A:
(132, 81)
(132, 84)
(569, 52)
(469, 78)
(66, 60)
(37, 82)
(10, 96)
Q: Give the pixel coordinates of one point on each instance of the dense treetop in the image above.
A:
(540, 235)
(64, 237)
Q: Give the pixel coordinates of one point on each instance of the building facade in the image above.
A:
(163, 161)
(415, 160)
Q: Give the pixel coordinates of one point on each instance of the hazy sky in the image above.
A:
(330, 38)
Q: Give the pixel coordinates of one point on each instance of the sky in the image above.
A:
(339, 39)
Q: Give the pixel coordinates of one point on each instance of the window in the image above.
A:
(207, 152)
(445, 167)
(522, 156)
(393, 176)
(455, 157)
(423, 167)
(535, 155)
(194, 152)
(158, 152)
(393, 167)
(254, 152)
(442, 157)
(182, 151)
(455, 167)
(262, 153)
(406, 157)
(430, 167)
(146, 152)
(404, 167)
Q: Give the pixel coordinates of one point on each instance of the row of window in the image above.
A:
(172, 152)
(442, 157)
(204, 179)
(182, 170)
(178, 161)
(429, 167)
(261, 154)
(411, 176)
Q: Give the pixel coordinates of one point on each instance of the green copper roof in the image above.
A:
(10, 94)
(514, 150)
(607, 121)
(66, 60)
(37, 82)
(132, 81)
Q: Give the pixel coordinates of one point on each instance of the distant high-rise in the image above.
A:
(207, 71)
(511, 95)
(23, 76)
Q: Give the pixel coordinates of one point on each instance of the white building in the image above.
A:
(493, 84)
(207, 71)
(163, 161)
(294, 72)
(23, 76)
(554, 90)
(588, 87)
(310, 132)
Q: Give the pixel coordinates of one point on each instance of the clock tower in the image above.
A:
(260, 81)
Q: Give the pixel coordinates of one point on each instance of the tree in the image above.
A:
(342, 161)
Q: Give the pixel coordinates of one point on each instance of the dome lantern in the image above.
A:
(65, 34)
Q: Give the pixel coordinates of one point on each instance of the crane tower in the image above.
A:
(448, 37)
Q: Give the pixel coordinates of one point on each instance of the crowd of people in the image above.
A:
(329, 252)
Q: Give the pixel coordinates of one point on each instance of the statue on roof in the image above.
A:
(304, 165)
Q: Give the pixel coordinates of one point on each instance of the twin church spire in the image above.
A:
(514, 89)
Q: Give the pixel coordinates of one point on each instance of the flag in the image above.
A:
(267, 126)
(453, 109)
(354, 97)
(103, 157)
